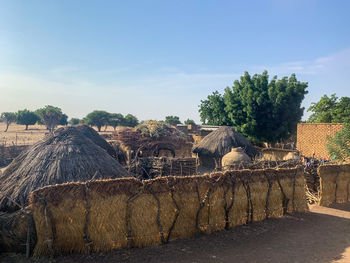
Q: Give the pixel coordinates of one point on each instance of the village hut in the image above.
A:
(96, 138)
(236, 156)
(153, 139)
(215, 145)
(66, 156)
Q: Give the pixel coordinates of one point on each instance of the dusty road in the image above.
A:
(322, 235)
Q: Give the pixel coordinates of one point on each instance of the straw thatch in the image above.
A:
(96, 138)
(334, 183)
(107, 214)
(66, 156)
(17, 232)
(221, 141)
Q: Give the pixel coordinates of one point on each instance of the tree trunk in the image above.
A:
(99, 128)
(26, 127)
(7, 126)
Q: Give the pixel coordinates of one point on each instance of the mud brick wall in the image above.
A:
(108, 214)
(312, 138)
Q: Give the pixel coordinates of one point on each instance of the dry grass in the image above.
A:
(108, 214)
(17, 135)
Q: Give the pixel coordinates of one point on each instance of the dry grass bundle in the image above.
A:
(108, 214)
(14, 232)
(221, 141)
(67, 156)
(334, 183)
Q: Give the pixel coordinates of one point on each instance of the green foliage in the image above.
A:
(97, 118)
(26, 117)
(189, 122)
(130, 121)
(74, 121)
(261, 110)
(64, 120)
(172, 120)
(212, 110)
(116, 119)
(339, 146)
(329, 109)
(50, 116)
(8, 118)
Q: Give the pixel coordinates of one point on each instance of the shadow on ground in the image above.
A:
(322, 235)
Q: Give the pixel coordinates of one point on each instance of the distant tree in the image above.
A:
(97, 118)
(26, 117)
(172, 120)
(339, 145)
(189, 122)
(130, 120)
(329, 109)
(74, 121)
(212, 110)
(50, 116)
(116, 119)
(64, 120)
(8, 118)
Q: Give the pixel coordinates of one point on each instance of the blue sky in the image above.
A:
(159, 58)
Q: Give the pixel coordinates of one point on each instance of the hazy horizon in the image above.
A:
(158, 58)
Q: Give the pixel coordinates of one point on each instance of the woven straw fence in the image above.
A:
(334, 183)
(122, 213)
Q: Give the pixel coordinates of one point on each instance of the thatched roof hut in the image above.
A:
(152, 137)
(96, 138)
(66, 156)
(220, 142)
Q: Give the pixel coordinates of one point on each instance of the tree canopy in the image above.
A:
(8, 118)
(50, 116)
(130, 120)
(212, 110)
(189, 122)
(74, 121)
(97, 118)
(116, 119)
(329, 109)
(172, 120)
(339, 145)
(262, 110)
(26, 117)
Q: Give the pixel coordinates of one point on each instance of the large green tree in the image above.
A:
(26, 117)
(130, 120)
(97, 118)
(212, 110)
(8, 118)
(50, 116)
(263, 110)
(172, 120)
(330, 109)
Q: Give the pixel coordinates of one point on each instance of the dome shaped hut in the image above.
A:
(236, 156)
(66, 156)
(215, 145)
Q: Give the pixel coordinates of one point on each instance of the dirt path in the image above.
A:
(322, 235)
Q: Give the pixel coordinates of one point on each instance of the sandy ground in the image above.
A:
(322, 235)
(17, 135)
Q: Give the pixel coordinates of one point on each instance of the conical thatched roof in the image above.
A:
(221, 141)
(95, 137)
(66, 156)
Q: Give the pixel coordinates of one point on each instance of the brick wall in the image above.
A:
(312, 138)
